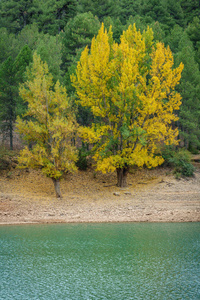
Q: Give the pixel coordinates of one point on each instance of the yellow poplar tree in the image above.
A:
(130, 88)
(49, 125)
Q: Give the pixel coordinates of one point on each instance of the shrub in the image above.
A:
(82, 162)
(7, 158)
(180, 160)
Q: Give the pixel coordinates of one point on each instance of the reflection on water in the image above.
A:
(100, 261)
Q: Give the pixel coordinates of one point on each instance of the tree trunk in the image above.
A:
(11, 138)
(57, 187)
(122, 176)
(11, 129)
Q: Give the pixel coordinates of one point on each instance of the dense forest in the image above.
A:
(59, 30)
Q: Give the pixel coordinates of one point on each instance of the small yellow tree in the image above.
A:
(49, 125)
(130, 88)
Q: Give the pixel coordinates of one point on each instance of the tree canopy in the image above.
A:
(59, 30)
(130, 89)
(49, 125)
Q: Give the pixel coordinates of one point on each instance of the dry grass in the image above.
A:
(152, 195)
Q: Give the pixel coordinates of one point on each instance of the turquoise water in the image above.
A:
(100, 261)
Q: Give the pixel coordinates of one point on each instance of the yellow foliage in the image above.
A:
(49, 124)
(131, 87)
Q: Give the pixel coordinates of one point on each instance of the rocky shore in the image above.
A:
(152, 196)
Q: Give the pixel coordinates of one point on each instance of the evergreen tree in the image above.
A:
(50, 50)
(129, 8)
(191, 9)
(158, 31)
(28, 36)
(78, 33)
(47, 46)
(11, 75)
(100, 8)
(176, 13)
(15, 15)
(22, 61)
(139, 22)
(156, 10)
(189, 116)
(8, 97)
(193, 31)
(173, 39)
(8, 45)
(56, 15)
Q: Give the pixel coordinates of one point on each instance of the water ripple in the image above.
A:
(100, 261)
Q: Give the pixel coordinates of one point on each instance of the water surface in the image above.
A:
(100, 261)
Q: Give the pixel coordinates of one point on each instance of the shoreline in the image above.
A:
(89, 222)
(151, 196)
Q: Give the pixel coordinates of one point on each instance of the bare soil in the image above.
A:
(151, 196)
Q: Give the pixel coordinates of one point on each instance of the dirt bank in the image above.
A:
(152, 196)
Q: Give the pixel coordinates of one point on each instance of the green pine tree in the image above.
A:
(15, 15)
(8, 97)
